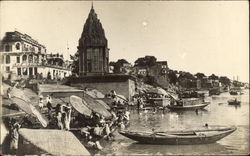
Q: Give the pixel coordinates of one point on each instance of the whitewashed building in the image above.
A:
(24, 57)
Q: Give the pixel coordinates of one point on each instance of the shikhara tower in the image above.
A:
(93, 47)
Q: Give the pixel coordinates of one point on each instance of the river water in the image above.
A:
(217, 113)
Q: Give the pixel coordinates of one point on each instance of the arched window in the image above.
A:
(7, 47)
(30, 59)
(24, 58)
(7, 59)
(18, 46)
(35, 59)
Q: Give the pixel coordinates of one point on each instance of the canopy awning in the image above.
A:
(55, 142)
(96, 106)
(104, 104)
(78, 104)
(22, 104)
(30, 109)
(19, 93)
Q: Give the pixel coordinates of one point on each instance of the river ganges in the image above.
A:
(217, 113)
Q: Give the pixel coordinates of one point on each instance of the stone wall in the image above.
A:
(126, 88)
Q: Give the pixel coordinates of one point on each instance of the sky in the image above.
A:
(195, 36)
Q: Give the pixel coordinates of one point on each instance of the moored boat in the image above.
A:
(214, 91)
(234, 102)
(188, 137)
(188, 103)
(232, 92)
(236, 91)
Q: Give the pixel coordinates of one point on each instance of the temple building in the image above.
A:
(93, 47)
(94, 62)
(23, 57)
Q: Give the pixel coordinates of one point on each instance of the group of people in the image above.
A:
(60, 114)
(93, 127)
(63, 116)
(48, 102)
(140, 102)
(118, 100)
(101, 128)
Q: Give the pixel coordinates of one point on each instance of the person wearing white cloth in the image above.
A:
(40, 102)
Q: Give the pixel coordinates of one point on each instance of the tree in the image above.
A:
(146, 61)
(122, 61)
(186, 75)
(225, 80)
(112, 63)
(75, 64)
(213, 77)
(172, 77)
(118, 64)
(200, 75)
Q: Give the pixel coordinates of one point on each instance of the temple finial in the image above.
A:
(92, 7)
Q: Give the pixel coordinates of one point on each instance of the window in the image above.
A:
(89, 66)
(24, 58)
(17, 59)
(25, 72)
(35, 70)
(7, 69)
(30, 71)
(7, 47)
(7, 59)
(19, 71)
(30, 59)
(164, 66)
(35, 59)
(18, 46)
(2, 58)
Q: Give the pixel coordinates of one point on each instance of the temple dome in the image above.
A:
(93, 33)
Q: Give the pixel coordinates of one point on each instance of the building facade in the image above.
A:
(93, 47)
(120, 83)
(24, 57)
(159, 71)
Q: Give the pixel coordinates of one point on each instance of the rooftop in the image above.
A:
(93, 33)
(17, 36)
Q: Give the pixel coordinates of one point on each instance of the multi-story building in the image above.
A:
(24, 57)
(159, 71)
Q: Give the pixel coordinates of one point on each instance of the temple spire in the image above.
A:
(92, 7)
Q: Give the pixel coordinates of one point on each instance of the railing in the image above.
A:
(39, 64)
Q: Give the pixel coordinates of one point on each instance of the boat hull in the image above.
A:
(177, 140)
(234, 103)
(233, 93)
(193, 107)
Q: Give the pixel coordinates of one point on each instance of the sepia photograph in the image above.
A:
(124, 77)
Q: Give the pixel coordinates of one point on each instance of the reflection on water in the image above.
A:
(217, 113)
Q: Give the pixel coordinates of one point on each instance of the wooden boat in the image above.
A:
(214, 92)
(188, 107)
(234, 102)
(188, 137)
(188, 103)
(236, 91)
(233, 92)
